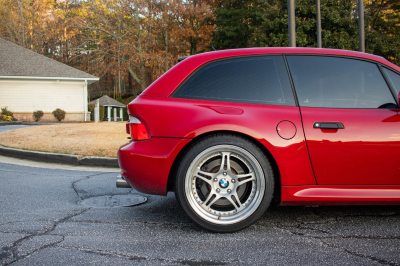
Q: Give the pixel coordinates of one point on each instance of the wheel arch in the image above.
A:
(277, 178)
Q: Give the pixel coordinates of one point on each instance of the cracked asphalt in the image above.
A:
(42, 223)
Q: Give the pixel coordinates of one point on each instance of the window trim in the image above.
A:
(389, 82)
(333, 55)
(296, 100)
(246, 102)
(346, 57)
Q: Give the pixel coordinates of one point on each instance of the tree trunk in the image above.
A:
(193, 46)
(21, 7)
(130, 85)
(143, 78)
(166, 49)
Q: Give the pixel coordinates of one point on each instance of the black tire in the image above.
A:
(218, 199)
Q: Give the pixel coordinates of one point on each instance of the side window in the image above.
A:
(394, 78)
(333, 82)
(260, 80)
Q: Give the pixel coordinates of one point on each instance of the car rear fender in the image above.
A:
(275, 168)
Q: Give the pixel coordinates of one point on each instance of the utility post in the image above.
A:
(319, 38)
(291, 24)
(361, 30)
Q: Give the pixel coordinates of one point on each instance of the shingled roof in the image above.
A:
(108, 101)
(16, 61)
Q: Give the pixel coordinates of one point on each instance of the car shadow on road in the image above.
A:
(329, 220)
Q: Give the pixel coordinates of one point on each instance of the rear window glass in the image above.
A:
(333, 82)
(248, 80)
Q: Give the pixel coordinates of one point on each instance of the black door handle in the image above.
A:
(328, 125)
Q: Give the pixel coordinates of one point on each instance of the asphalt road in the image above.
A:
(42, 223)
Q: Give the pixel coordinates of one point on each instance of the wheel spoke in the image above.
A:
(245, 178)
(205, 179)
(214, 200)
(209, 197)
(226, 159)
(205, 173)
(235, 204)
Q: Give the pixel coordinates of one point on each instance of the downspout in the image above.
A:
(85, 99)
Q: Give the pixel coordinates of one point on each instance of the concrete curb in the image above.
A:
(37, 124)
(99, 161)
(59, 158)
(44, 123)
(10, 123)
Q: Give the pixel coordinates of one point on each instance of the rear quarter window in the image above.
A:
(259, 80)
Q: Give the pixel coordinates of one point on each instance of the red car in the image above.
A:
(232, 131)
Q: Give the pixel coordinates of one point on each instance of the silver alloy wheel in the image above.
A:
(224, 184)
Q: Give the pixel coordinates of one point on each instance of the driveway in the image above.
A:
(42, 222)
(12, 127)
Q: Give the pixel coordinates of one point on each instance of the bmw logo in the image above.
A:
(223, 183)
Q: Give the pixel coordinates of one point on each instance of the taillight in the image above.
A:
(137, 129)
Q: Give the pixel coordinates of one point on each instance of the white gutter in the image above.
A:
(49, 78)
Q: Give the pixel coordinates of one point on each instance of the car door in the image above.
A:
(350, 119)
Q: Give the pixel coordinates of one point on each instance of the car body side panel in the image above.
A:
(343, 195)
(182, 118)
(145, 165)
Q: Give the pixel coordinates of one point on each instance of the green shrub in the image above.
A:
(37, 115)
(91, 109)
(130, 99)
(59, 114)
(125, 114)
(6, 112)
(102, 108)
(119, 99)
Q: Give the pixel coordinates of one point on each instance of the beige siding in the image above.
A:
(28, 96)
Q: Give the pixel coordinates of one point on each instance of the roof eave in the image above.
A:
(88, 80)
(114, 105)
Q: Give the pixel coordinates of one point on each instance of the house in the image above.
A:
(30, 81)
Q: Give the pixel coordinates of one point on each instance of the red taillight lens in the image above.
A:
(139, 132)
(137, 129)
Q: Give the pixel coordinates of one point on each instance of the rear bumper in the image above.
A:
(146, 165)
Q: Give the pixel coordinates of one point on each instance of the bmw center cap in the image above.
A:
(223, 183)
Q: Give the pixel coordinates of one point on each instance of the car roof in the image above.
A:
(288, 50)
(167, 83)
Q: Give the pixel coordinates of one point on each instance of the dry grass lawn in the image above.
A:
(94, 139)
